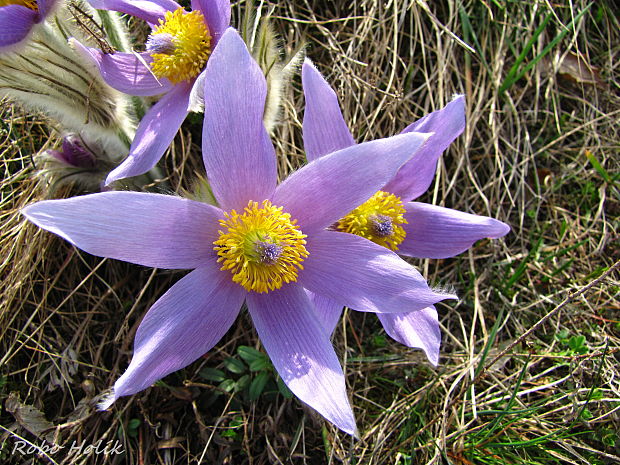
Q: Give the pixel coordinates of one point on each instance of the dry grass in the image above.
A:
(68, 319)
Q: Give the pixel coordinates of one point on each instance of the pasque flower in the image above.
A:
(390, 218)
(79, 161)
(177, 50)
(18, 17)
(264, 244)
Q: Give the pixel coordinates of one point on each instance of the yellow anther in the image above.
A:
(262, 247)
(189, 48)
(32, 4)
(379, 219)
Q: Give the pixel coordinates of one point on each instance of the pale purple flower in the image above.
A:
(175, 233)
(18, 17)
(134, 74)
(429, 232)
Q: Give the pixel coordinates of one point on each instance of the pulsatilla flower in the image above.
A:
(74, 153)
(79, 161)
(176, 53)
(264, 244)
(390, 218)
(18, 17)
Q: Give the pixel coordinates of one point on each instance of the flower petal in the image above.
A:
(124, 72)
(45, 6)
(217, 15)
(149, 10)
(415, 177)
(328, 188)
(301, 352)
(327, 311)
(418, 329)
(155, 230)
(15, 24)
(155, 133)
(185, 323)
(324, 128)
(437, 232)
(364, 276)
(238, 154)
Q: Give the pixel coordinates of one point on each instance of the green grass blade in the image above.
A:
(514, 71)
(514, 76)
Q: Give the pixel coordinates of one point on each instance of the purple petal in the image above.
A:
(45, 6)
(15, 24)
(237, 152)
(301, 352)
(324, 128)
(155, 230)
(185, 323)
(437, 232)
(217, 15)
(362, 275)
(328, 188)
(124, 71)
(418, 329)
(416, 176)
(76, 154)
(149, 10)
(327, 311)
(155, 133)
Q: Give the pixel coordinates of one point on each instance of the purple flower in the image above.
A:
(176, 53)
(390, 217)
(74, 153)
(18, 17)
(264, 245)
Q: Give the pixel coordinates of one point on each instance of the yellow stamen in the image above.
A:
(378, 219)
(262, 247)
(32, 4)
(191, 40)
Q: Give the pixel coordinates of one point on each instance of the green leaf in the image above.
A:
(576, 342)
(234, 366)
(227, 385)
(242, 383)
(258, 385)
(132, 427)
(212, 374)
(249, 354)
(563, 334)
(598, 167)
(261, 364)
(229, 433)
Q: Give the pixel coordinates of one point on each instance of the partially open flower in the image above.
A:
(18, 18)
(390, 218)
(74, 153)
(176, 53)
(76, 162)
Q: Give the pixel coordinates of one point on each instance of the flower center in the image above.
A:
(262, 247)
(180, 45)
(378, 219)
(32, 4)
